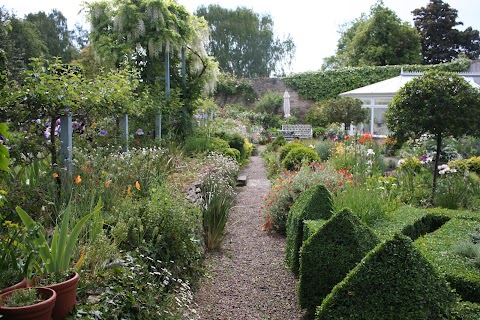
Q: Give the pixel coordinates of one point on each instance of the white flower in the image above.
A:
(370, 152)
(400, 162)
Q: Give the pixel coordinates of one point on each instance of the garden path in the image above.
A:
(247, 278)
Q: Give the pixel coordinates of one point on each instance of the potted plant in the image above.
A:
(27, 303)
(56, 258)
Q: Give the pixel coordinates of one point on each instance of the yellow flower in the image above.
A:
(55, 175)
(78, 179)
(137, 185)
(129, 192)
(107, 183)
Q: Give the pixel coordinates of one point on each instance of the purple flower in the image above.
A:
(102, 133)
(140, 132)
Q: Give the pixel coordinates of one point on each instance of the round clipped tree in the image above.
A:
(439, 103)
(346, 111)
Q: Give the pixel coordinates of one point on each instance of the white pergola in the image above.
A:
(376, 97)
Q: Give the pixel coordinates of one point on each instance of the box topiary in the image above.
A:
(313, 203)
(394, 281)
(328, 255)
(466, 311)
(460, 271)
(287, 148)
(199, 144)
(298, 155)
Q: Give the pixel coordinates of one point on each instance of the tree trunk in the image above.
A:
(437, 159)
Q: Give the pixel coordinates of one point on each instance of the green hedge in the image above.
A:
(313, 203)
(410, 221)
(310, 227)
(466, 311)
(328, 255)
(437, 247)
(394, 281)
(328, 84)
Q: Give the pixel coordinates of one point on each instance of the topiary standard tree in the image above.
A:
(345, 110)
(438, 103)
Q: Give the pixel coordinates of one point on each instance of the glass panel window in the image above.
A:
(382, 101)
(379, 125)
(366, 102)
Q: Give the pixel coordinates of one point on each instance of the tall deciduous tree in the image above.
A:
(53, 30)
(441, 42)
(378, 39)
(439, 103)
(244, 43)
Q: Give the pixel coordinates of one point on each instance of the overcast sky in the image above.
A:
(313, 24)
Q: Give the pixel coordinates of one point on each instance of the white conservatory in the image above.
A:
(376, 97)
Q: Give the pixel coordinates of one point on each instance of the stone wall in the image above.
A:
(298, 106)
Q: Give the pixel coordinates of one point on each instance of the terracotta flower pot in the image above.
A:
(21, 284)
(38, 311)
(66, 296)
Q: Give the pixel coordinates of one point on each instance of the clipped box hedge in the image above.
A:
(466, 311)
(313, 203)
(328, 255)
(460, 271)
(310, 227)
(412, 222)
(394, 281)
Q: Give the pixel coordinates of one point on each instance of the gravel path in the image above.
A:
(247, 278)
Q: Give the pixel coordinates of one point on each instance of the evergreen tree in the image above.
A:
(441, 42)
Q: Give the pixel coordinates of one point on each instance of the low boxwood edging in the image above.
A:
(460, 271)
(394, 281)
(313, 203)
(328, 255)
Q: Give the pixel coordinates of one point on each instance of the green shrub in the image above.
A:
(287, 148)
(473, 164)
(233, 153)
(236, 141)
(314, 203)
(278, 142)
(324, 149)
(460, 271)
(394, 281)
(328, 255)
(199, 144)
(310, 227)
(270, 102)
(164, 226)
(297, 156)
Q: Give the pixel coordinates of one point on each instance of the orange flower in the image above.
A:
(129, 190)
(361, 140)
(78, 179)
(367, 136)
(137, 185)
(55, 175)
(347, 138)
(86, 170)
(107, 183)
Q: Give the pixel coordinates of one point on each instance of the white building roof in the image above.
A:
(389, 87)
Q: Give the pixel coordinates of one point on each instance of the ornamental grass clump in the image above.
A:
(217, 181)
(287, 188)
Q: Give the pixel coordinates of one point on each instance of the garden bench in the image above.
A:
(292, 131)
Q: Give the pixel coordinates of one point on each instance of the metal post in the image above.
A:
(66, 132)
(124, 131)
(184, 67)
(158, 127)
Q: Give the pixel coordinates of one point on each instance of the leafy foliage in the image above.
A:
(441, 41)
(297, 156)
(270, 102)
(244, 44)
(378, 39)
